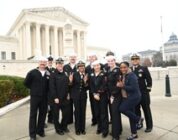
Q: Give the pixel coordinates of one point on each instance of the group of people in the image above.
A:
(113, 88)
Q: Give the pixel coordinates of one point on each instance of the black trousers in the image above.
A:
(101, 112)
(92, 106)
(80, 114)
(145, 104)
(116, 118)
(64, 107)
(50, 113)
(71, 111)
(38, 110)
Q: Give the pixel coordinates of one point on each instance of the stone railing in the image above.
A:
(158, 73)
(20, 68)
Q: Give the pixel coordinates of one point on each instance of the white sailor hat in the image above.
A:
(96, 62)
(41, 58)
(110, 57)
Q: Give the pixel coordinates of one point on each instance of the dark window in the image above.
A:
(13, 55)
(3, 55)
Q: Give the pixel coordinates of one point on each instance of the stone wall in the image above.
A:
(17, 68)
(20, 68)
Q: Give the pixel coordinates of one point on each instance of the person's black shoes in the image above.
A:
(60, 132)
(94, 123)
(148, 130)
(104, 135)
(66, 130)
(77, 132)
(83, 132)
(41, 134)
(98, 132)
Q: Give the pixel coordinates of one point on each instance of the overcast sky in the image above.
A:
(122, 25)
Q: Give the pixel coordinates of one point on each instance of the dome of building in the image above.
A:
(172, 40)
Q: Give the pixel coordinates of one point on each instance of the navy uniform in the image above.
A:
(59, 82)
(38, 85)
(69, 70)
(50, 113)
(98, 87)
(145, 85)
(79, 96)
(106, 69)
(115, 96)
(89, 70)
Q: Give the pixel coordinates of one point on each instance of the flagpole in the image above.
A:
(162, 41)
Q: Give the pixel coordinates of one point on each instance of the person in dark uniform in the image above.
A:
(58, 84)
(98, 89)
(51, 69)
(106, 68)
(37, 81)
(113, 75)
(71, 68)
(130, 97)
(78, 82)
(145, 85)
(89, 70)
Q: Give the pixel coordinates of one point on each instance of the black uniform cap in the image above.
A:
(50, 58)
(59, 61)
(110, 53)
(80, 64)
(135, 56)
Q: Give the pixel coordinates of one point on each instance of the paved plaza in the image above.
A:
(14, 125)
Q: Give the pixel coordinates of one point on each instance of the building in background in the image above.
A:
(171, 48)
(148, 54)
(44, 31)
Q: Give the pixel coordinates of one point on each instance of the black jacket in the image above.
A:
(79, 88)
(98, 83)
(89, 70)
(144, 78)
(112, 78)
(51, 70)
(68, 69)
(58, 85)
(37, 83)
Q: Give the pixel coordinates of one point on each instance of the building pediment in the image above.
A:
(56, 13)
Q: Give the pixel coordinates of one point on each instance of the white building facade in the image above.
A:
(44, 31)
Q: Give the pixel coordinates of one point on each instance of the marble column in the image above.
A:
(20, 44)
(23, 42)
(28, 40)
(38, 41)
(60, 42)
(78, 44)
(46, 40)
(83, 45)
(56, 50)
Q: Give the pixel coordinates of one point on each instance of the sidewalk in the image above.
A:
(14, 125)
